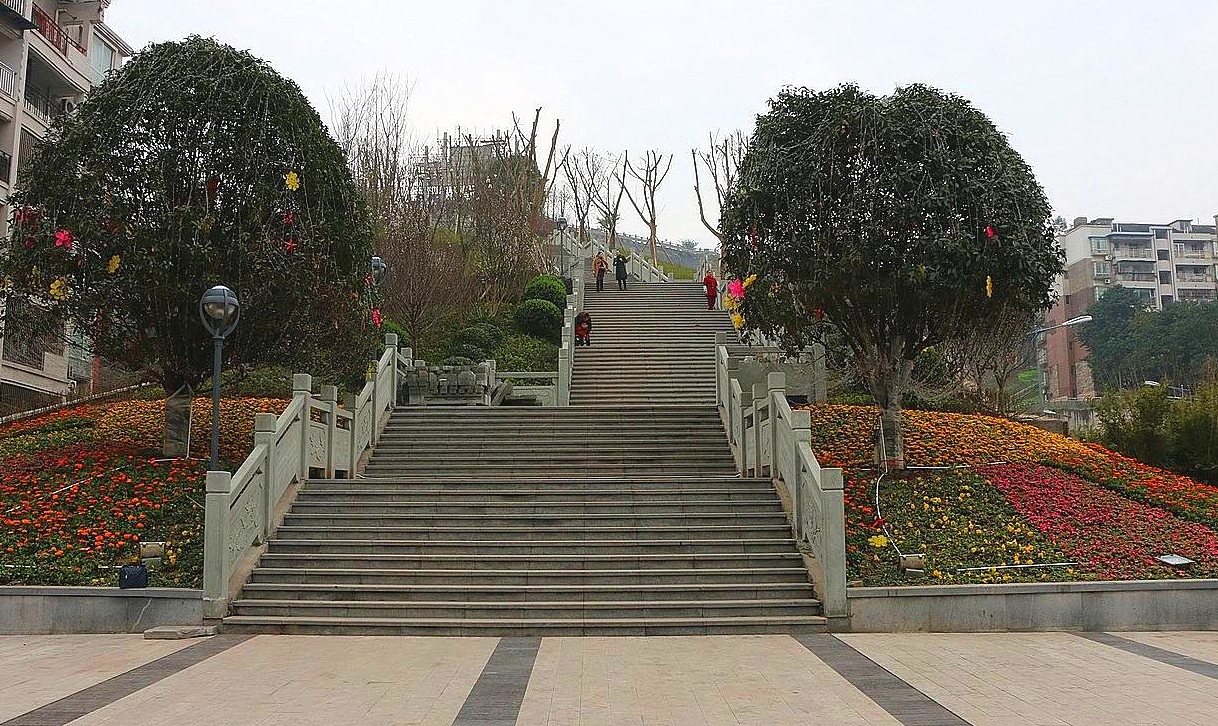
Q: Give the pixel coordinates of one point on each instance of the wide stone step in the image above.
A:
(730, 482)
(570, 469)
(372, 550)
(319, 492)
(376, 507)
(558, 611)
(363, 527)
(504, 627)
(391, 515)
(311, 575)
(496, 563)
(525, 593)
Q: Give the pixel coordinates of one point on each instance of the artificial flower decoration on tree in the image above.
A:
(186, 169)
(989, 286)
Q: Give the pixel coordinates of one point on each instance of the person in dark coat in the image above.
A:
(600, 267)
(619, 270)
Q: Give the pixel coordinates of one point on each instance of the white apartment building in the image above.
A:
(52, 52)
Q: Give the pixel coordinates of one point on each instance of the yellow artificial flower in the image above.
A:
(112, 266)
(750, 280)
(292, 181)
(878, 540)
(737, 321)
(59, 289)
(989, 286)
(730, 302)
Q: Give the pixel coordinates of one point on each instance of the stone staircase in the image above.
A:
(619, 515)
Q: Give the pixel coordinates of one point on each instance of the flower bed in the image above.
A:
(80, 488)
(924, 509)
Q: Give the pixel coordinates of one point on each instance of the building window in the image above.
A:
(1167, 299)
(1164, 277)
(1099, 246)
(1103, 268)
(1099, 293)
(1164, 254)
(101, 58)
(1161, 233)
(1144, 293)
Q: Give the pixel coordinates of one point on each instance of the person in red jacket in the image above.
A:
(712, 290)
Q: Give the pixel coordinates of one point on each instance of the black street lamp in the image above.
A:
(379, 271)
(219, 311)
(560, 224)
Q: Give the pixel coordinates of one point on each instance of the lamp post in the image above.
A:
(380, 270)
(219, 310)
(560, 224)
(1040, 372)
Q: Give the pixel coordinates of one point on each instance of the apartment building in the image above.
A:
(52, 52)
(1161, 263)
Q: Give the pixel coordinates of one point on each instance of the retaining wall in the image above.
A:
(64, 610)
(1137, 605)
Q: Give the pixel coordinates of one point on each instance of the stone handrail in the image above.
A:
(768, 439)
(312, 434)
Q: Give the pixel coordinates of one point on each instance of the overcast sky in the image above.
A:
(1114, 103)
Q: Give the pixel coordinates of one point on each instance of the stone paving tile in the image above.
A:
(307, 680)
(1002, 679)
(1171, 658)
(763, 680)
(38, 669)
(1199, 645)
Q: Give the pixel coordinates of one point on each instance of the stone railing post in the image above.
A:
(215, 544)
(833, 542)
(264, 434)
(353, 453)
(776, 385)
(302, 388)
(329, 396)
(391, 343)
(759, 403)
(801, 430)
(564, 376)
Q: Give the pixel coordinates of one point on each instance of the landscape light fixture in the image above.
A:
(219, 310)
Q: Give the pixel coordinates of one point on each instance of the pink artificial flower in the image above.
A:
(29, 243)
(376, 317)
(289, 218)
(64, 239)
(735, 288)
(290, 245)
(990, 233)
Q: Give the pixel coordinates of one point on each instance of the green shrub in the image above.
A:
(1181, 435)
(475, 342)
(388, 326)
(546, 287)
(524, 353)
(539, 318)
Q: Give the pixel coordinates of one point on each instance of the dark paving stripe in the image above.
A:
(496, 697)
(901, 700)
(1170, 657)
(105, 693)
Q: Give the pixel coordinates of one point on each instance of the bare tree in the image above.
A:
(992, 354)
(410, 202)
(649, 176)
(722, 159)
(581, 193)
(604, 188)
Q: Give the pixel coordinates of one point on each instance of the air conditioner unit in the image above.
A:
(67, 105)
(1105, 280)
(1108, 258)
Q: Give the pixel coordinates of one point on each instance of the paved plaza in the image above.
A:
(924, 679)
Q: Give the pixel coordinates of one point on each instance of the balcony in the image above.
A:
(1137, 276)
(1132, 253)
(41, 107)
(14, 11)
(6, 167)
(54, 32)
(8, 81)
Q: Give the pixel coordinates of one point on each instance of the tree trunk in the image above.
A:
(889, 381)
(178, 398)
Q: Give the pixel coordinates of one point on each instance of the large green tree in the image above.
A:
(196, 164)
(903, 221)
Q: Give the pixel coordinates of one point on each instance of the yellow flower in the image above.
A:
(59, 289)
(112, 266)
(730, 302)
(292, 181)
(750, 280)
(989, 286)
(737, 321)
(936, 573)
(878, 540)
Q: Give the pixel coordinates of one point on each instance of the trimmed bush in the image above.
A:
(475, 342)
(539, 318)
(524, 353)
(546, 287)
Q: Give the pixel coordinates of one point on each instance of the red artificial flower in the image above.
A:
(879, 523)
(64, 239)
(820, 313)
(990, 233)
(213, 183)
(111, 226)
(290, 245)
(29, 243)
(289, 218)
(376, 317)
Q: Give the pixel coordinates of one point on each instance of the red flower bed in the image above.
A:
(1113, 537)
